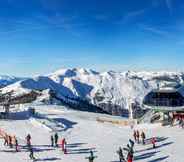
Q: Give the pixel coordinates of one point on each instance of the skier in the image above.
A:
(28, 139)
(91, 157)
(130, 153)
(10, 141)
(143, 136)
(31, 155)
(172, 121)
(52, 140)
(135, 135)
(6, 140)
(180, 122)
(121, 156)
(56, 139)
(130, 157)
(130, 149)
(16, 145)
(138, 136)
(131, 143)
(153, 141)
(63, 144)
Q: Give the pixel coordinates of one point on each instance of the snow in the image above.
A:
(83, 133)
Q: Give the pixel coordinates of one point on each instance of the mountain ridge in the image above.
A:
(113, 91)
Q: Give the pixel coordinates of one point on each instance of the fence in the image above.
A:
(117, 122)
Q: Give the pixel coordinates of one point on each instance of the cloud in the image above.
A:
(130, 16)
(133, 14)
(155, 31)
(39, 22)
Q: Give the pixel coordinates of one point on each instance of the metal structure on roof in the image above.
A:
(8, 99)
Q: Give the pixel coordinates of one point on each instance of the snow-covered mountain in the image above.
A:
(7, 80)
(111, 91)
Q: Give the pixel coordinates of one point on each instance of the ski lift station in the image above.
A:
(167, 98)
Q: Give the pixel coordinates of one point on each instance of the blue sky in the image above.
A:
(40, 36)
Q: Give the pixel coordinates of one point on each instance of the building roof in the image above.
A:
(179, 89)
(171, 88)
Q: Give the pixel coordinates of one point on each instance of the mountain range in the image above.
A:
(111, 91)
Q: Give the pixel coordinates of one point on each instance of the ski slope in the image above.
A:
(83, 133)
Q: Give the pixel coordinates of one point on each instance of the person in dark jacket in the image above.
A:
(135, 135)
(16, 145)
(56, 139)
(52, 140)
(138, 136)
(91, 157)
(31, 155)
(121, 156)
(131, 143)
(143, 136)
(10, 142)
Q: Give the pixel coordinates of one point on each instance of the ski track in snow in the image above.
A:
(84, 133)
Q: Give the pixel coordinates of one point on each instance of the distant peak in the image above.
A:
(65, 72)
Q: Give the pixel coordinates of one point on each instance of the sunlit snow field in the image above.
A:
(83, 133)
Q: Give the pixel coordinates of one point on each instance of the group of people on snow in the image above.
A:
(126, 154)
(178, 118)
(129, 152)
(54, 140)
(62, 142)
(11, 141)
(137, 135)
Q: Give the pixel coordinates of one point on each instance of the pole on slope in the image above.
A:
(130, 108)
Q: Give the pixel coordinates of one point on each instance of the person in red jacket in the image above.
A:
(63, 145)
(153, 141)
(130, 157)
(28, 140)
